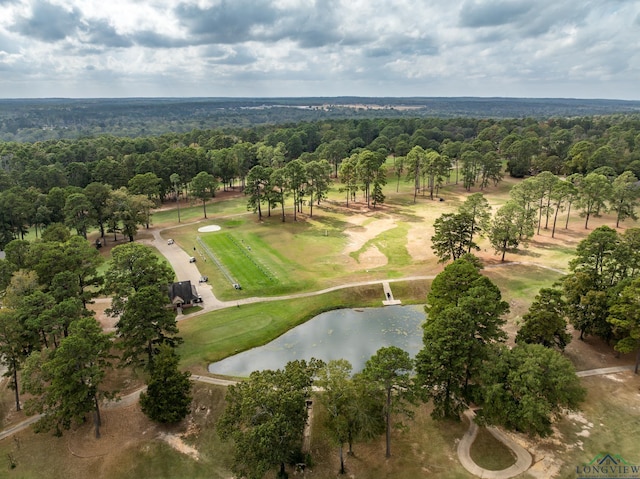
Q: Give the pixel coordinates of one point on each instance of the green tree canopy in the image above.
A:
(203, 186)
(527, 387)
(134, 266)
(145, 324)
(390, 370)
(453, 236)
(168, 395)
(624, 315)
(545, 322)
(65, 382)
(265, 416)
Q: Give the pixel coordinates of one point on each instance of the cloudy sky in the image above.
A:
(266, 48)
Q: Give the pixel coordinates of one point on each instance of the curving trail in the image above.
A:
(523, 461)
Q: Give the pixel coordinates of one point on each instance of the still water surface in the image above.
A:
(354, 335)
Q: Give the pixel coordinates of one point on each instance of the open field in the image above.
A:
(337, 246)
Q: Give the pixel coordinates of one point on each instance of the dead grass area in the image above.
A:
(608, 422)
(593, 353)
(77, 454)
(423, 448)
(125, 434)
(99, 307)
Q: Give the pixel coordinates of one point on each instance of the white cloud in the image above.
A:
(311, 47)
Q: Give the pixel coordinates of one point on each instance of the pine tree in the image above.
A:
(168, 396)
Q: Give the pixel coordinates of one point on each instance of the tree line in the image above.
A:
(534, 204)
(43, 119)
(164, 167)
(52, 341)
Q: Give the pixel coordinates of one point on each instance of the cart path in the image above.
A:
(124, 401)
(179, 260)
(523, 458)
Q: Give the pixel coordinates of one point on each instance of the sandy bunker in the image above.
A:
(209, 229)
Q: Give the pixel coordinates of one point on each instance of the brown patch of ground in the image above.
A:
(361, 233)
(99, 307)
(419, 241)
(121, 428)
(594, 353)
(372, 258)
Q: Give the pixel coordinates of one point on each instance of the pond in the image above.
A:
(351, 334)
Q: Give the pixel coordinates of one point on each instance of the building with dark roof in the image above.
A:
(182, 293)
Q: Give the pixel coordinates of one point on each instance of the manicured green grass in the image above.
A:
(250, 261)
(268, 258)
(521, 282)
(216, 335)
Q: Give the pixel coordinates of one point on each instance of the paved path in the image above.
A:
(179, 260)
(603, 371)
(523, 461)
(125, 401)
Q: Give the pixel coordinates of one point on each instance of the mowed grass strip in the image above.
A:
(240, 260)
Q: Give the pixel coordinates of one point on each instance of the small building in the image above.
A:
(182, 294)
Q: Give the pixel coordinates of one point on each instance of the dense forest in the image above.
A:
(43, 119)
(111, 182)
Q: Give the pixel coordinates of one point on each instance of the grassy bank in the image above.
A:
(216, 335)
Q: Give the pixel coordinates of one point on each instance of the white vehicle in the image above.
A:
(170, 241)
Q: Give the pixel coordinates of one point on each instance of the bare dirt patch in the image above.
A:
(372, 258)
(179, 445)
(124, 426)
(99, 307)
(364, 231)
(419, 242)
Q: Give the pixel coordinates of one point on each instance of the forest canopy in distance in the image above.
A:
(29, 120)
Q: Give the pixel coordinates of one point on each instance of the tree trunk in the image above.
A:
(566, 225)
(388, 413)
(97, 419)
(178, 204)
(546, 223)
(204, 207)
(635, 369)
(539, 215)
(15, 383)
(259, 209)
(150, 354)
(555, 218)
(342, 471)
(295, 206)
